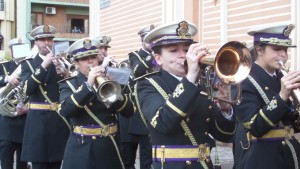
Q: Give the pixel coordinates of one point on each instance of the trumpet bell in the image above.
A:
(108, 91)
(233, 62)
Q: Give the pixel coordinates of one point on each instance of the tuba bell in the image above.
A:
(10, 96)
(230, 66)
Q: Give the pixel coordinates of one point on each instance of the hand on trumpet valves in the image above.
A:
(94, 73)
(289, 82)
(195, 52)
(48, 58)
(107, 60)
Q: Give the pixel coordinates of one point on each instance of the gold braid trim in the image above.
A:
(293, 153)
(266, 118)
(183, 124)
(102, 125)
(138, 104)
(122, 107)
(140, 58)
(222, 131)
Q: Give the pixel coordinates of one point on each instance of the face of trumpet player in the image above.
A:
(44, 44)
(102, 52)
(86, 63)
(171, 58)
(269, 56)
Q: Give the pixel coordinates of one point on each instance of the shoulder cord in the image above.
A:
(4, 69)
(182, 123)
(138, 105)
(100, 123)
(48, 99)
(140, 58)
(263, 95)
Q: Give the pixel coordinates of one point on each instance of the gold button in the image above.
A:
(188, 162)
(208, 120)
(94, 137)
(45, 92)
(185, 134)
(45, 84)
(206, 133)
(266, 88)
(91, 104)
(187, 119)
(283, 143)
(46, 101)
(209, 107)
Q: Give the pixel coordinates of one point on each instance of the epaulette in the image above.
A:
(66, 79)
(145, 75)
(4, 61)
(22, 60)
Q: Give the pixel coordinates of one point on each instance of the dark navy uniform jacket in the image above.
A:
(11, 129)
(257, 118)
(46, 133)
(86, 151)
(140, 62)
(202, 116)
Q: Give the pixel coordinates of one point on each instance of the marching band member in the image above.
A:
(46, 132)
(94, 141)
(266, 119)
(180, 119)
(134, 131)
(12, 128)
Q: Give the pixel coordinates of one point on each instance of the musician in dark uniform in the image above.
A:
(141, 60)
(181, 120)
(94, 141)
(134, 131)
(46, 132)
(12, 127)
(266, 117)
(103, 48)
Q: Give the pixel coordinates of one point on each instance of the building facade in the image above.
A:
(218, 21)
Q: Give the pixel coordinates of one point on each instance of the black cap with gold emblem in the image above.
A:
(277, 34)
(171, 33)
(84, 47)
(104, 40)
(43, 31)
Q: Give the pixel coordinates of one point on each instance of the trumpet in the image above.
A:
(295, 95)
(231, 66)
(107, 91)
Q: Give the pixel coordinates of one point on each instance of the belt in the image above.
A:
(274, 135)
(96, 130)
(175, 153)
(43, 106)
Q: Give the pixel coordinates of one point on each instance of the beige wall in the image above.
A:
(218, 21)
(7, 24)
(123, 19)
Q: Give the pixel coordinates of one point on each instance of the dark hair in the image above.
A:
(254, 52)
(156, 49)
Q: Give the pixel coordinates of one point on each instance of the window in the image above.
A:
(77, 25)
(1, 5)
(36, 19)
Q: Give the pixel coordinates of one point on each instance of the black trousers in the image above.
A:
(128, 151)
(45, 165)
(7, 151)
(145, 152)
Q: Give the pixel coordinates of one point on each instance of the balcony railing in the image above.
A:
(68, 1)
(66, 32)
